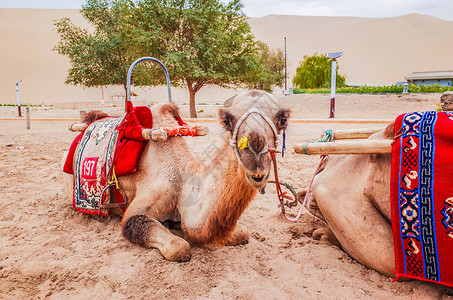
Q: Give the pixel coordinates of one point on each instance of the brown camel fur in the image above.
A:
(351, 193)
(171, 185)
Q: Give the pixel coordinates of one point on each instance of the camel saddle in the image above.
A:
(107, 148)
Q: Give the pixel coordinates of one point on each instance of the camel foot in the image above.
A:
(149, 232)
(325, 234)
(239, 236)
(177, 250)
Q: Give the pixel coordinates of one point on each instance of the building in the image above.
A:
(442, 78)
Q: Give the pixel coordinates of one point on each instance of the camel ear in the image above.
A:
(229, 102)
(282, 117)
(170, 108)
(227, 119)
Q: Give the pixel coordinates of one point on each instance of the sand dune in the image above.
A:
(376, 51)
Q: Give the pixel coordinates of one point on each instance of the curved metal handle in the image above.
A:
(129, 76)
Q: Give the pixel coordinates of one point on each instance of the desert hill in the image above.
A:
(376, 51)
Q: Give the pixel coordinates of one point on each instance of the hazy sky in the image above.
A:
(257, 8)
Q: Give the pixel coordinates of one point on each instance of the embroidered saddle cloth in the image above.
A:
(107, 148)
(93, 165)
(422, 196)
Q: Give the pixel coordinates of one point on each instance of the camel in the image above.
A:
(351, 194)
(171, 189)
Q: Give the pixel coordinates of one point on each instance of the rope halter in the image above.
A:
(234, 136)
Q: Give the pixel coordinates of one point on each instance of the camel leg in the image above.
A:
(150, 233)
(239, 236)
(325, 234)
(67, 178)
(362, 230)
(141, 222)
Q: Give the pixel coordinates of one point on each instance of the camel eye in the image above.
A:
(283, 121)
(227, 120)
(282, 118)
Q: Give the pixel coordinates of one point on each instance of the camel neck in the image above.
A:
(226, 193)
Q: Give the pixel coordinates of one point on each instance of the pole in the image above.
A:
(18, 99)
(102, 100)
(27, 113)
(286, 77)
(332, 88)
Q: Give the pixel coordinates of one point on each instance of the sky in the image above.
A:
(442, 9)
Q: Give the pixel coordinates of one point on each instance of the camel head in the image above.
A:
(254, 120)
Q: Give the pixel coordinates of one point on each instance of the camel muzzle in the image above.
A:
(258, 177)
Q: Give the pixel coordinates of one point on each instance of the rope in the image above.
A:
(185, 130)
(282, 195)
(114, 179)
(327, 137)
(284, 144)
(234, 136)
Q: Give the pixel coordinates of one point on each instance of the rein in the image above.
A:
(234, 136)
(283, 195)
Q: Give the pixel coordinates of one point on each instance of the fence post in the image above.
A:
(27, 112)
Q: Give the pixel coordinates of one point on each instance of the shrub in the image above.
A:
(385, 89)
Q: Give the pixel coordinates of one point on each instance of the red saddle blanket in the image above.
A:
(107, 148)
(422, 196)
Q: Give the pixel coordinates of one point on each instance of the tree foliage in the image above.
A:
(270, 69)
(315, 72)
(201, 42)
(384, 89)
(97, 56)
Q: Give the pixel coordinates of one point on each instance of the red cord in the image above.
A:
(282, 195)
(184, 130)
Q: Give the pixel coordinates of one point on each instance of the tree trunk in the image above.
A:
(193, 87)
(125, 96)
(193, 111)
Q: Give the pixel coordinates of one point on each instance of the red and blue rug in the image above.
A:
(422, 196)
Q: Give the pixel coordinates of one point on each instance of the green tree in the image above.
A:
(97, 56)
(270, 72)
(201, 42)
(315, 72)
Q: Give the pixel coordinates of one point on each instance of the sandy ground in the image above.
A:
(50, 251)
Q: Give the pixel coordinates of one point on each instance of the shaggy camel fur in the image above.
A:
(351, 193)
(171, 186)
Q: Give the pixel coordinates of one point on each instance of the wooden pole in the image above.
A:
(346, 147)
(359, 133)
(27, 112)
(77, 127)
(157, 135)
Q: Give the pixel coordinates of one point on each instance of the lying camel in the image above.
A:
(171, 186)
(351, 193)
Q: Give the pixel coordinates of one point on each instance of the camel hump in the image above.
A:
(94, 115)
(169, 108)
(389, 131)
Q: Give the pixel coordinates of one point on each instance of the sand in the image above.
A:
(376, 51)
(50, 251)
